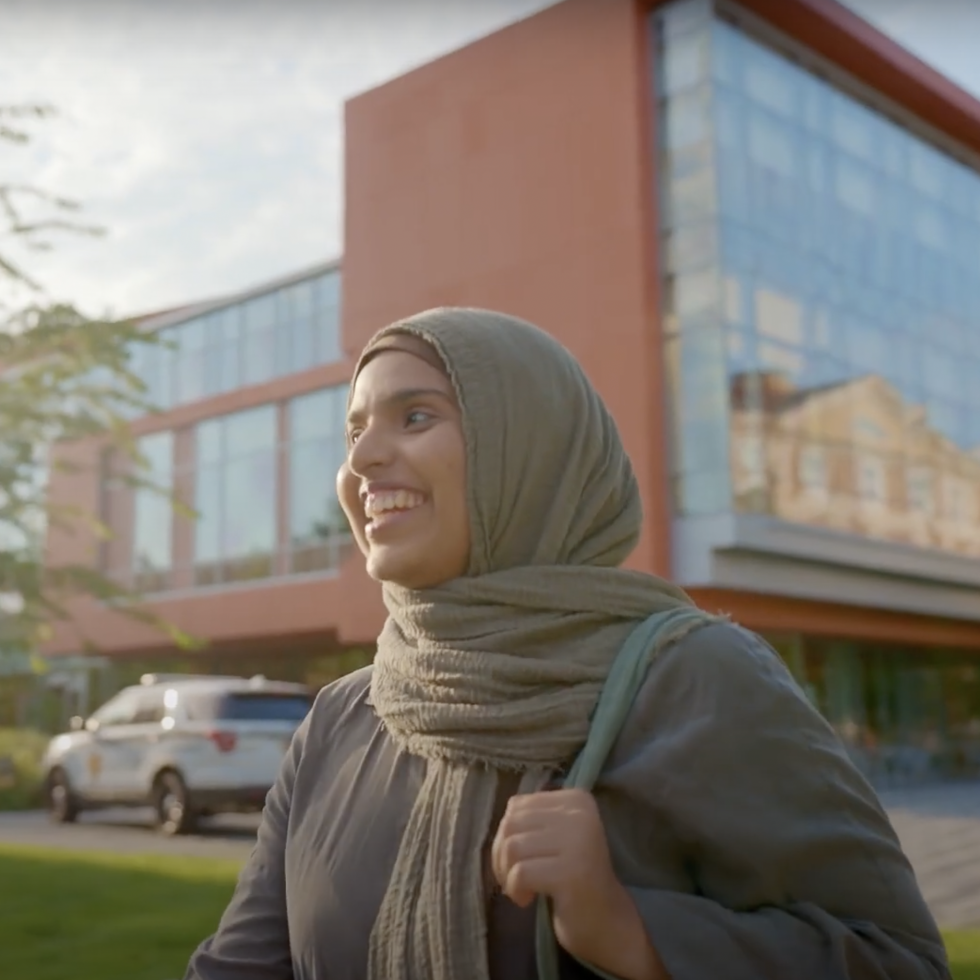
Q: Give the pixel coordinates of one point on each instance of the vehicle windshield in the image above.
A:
(265, 707)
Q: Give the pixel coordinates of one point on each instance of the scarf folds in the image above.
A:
(500, 670)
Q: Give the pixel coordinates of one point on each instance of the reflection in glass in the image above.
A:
(252, 431)
(822, 287)
(152, 548)
(906, 715)
(207, 527)
(209, 441)
(237, 489)
(277, 333)
(319, 535)
(259, 357)
(249, 515)
(235, 496)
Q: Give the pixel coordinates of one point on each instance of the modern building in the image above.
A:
(758, 226)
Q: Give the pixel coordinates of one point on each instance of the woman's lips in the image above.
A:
(387, 508)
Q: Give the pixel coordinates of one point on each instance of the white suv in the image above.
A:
(189, 746)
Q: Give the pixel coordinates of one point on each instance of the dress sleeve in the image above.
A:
(252, 941)
(795, 868)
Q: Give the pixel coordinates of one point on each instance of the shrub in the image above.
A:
(25, 749)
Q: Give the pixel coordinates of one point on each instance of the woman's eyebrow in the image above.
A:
(397, 398)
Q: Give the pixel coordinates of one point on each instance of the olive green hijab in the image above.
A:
(500, 670)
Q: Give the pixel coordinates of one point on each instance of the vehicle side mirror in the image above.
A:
(76, 723)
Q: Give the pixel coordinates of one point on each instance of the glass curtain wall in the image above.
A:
(279, 332)
(262, 483)
(906, 714)
(822, 264)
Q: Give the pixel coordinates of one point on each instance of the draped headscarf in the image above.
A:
(500, 669)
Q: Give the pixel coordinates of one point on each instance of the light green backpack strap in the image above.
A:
(618, 693)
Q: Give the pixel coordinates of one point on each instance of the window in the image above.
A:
(867, 430)
(919, 490)
(958, 500)
(235, 496)
(327, 298)
(259, 321)
(278, 332)
(318, 532)
(153, 364)
(241, 474)
(120, 710)
(208, 355)
(151, 558)
(190, 338)
(149, 708)
(264, 707)
(872, 484)
(750, 461)
(813, 468)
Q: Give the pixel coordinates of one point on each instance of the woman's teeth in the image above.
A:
(381, 503)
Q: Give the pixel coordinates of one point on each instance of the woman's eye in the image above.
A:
(417, 417)
(352, 436)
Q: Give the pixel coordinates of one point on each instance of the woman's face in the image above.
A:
(403, 485)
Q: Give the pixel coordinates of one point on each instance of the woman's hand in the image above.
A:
(554, 844)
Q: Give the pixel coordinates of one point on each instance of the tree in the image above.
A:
(63, 377)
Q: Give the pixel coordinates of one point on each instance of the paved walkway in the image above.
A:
(130, 831)
(939, 829)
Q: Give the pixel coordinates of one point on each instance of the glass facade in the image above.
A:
(235, 496)
(318, 531)
(906, 715)
(822, 264)
(141, 517)
(280, 332)
(262, 485)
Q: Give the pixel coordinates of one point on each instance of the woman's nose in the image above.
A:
(373, 450)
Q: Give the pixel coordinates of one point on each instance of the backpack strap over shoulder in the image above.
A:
(625, 679)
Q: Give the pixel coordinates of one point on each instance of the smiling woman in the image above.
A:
(403, 486)
(421, 813)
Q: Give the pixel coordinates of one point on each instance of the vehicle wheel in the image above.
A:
(172, 805)
(62, 805)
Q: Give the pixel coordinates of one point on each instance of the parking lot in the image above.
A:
(939, 828)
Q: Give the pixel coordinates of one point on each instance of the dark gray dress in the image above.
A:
(752, 847)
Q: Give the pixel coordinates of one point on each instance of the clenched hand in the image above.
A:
(554, 844)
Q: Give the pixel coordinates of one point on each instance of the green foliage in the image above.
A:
(25, 749)
(65, 378)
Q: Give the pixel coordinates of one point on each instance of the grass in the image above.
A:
(964, 954)
(74, 916)
(25, 748)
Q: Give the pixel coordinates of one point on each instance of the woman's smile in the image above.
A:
(385, 509)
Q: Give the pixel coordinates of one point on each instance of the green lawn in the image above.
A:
(88, 916)
(964, 954)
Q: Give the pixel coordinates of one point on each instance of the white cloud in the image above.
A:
(206, 137)
(206, 134)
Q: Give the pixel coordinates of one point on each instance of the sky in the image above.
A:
(205, 136)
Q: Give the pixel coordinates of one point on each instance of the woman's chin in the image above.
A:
(407, 564)
(397, 565)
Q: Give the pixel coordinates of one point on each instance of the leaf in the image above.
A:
(66, 379)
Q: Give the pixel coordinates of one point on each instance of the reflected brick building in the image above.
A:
(758, 226)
